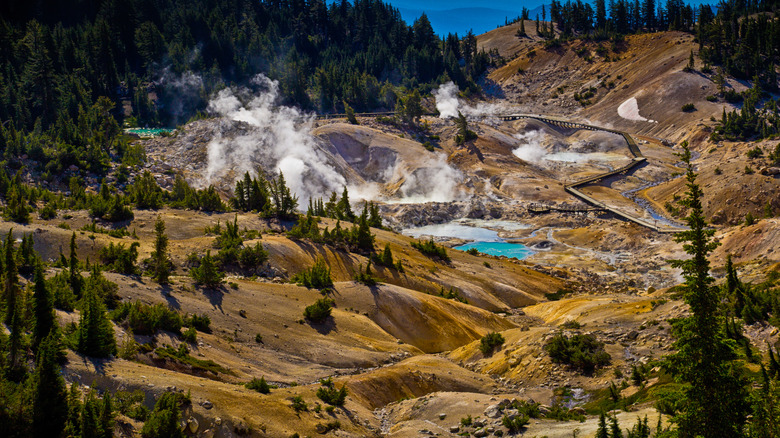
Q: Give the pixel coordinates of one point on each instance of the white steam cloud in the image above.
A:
(532, 151)
(277, 134)
(448, 104)
(434, 181)
(447, 100)
(280, 138)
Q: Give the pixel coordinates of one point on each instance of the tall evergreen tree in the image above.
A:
(95, 334)
(648, 14)
(10, 278)
(160, 260)
(714, 398)
(43, 308)
(601, 15)
(602, 431)
(343, 208)
(49, 395)
(74, 271)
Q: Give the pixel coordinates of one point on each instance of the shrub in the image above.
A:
(571, 325)
(298, 404)
(163, 422)
(755, 152)
(250, 258)
(143, 319)
(207, 273)
(182, 356)
(366, 277)
(329, 394)
(146, 193)
(489, 342)
(319, 311)
(49, 211)
(316, 277)
(688, 107)
(452, 294)
(259, 385)
(712, 98)
(430, 249)
(120, 259)
(202, 323)
(749, 219)
(190, 336)
(582, 352)
(515, 424)
(557, 295)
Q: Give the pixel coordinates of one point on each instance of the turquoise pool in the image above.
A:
(148, 132)
(511, 250)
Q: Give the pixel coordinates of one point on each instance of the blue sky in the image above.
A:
(458, 16)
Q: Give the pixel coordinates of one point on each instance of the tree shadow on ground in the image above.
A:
(215, 295)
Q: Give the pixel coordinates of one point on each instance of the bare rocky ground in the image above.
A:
(409, 358)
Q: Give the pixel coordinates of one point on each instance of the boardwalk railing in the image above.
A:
(572, 188)
(633, 147)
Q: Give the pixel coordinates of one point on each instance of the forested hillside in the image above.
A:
(64, 56)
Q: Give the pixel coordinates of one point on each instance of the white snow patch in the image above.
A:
(630, 110)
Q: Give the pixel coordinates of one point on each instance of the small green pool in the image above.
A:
(511, 250)
(148, 132)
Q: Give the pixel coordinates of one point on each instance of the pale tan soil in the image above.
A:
(406, 355)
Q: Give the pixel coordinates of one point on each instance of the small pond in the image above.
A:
(484, 240)
(148, 132)
(511, 250)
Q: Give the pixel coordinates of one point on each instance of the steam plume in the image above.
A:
(278, 135)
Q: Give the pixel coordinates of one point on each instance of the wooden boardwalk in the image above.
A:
(572, 188)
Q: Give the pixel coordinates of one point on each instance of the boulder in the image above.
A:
(493, 411)
(192, 425)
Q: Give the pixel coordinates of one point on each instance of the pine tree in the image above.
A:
(43, 308)
(350, 114)
(146, 193)
(207, 274)
(95, 334)
(602, 431)
(160, 261)
(374, 218)
(601, 15)
(343, 208)
(90, 417)
(734, 287)
(284, 202)
(49, 402)
(106, 417)
(614, 428)
(75, 279)
(73, 423)
(10, 278)
(364, 240)
(163, 422)
(714, 398)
